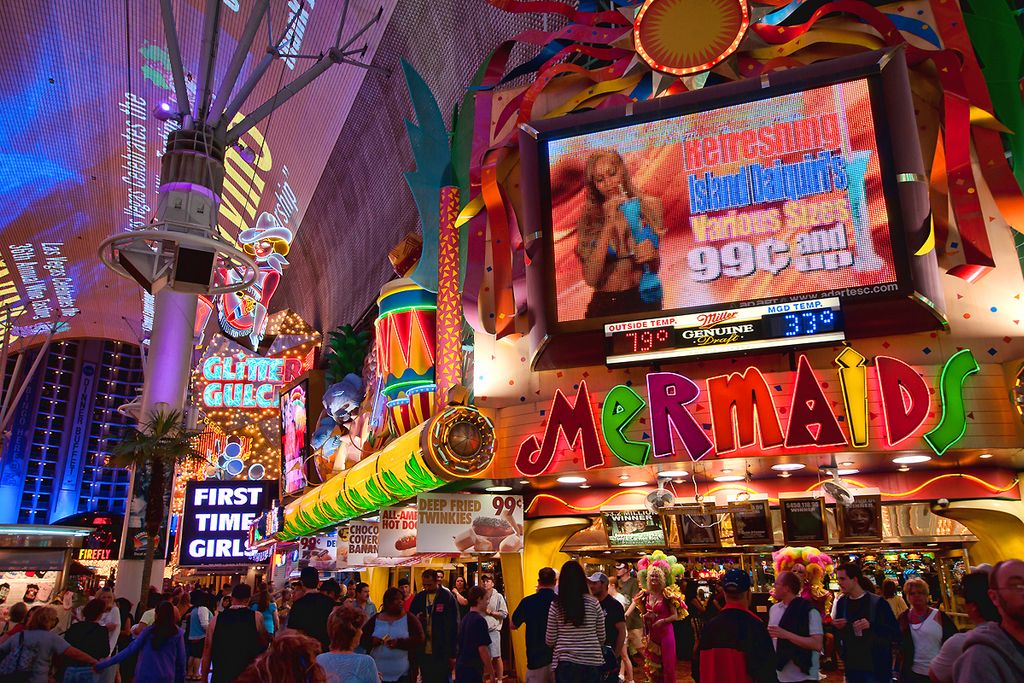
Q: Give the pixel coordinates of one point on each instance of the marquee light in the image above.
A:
(739, 410)
(853, 379)
(953, 424)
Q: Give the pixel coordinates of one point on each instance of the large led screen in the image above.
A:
(293, 437)
(773, 199)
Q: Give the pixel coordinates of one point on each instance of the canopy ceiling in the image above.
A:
(80, 147)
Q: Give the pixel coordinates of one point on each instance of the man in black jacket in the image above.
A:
(795, 628)
(866, 628)
(438, 613)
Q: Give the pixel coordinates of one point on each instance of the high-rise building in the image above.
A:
(66, 422)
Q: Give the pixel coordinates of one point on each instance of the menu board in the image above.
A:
(861, 520)
(633, 528)
(362, 543)
(397, 532)
(803, 520)
(751, 523)
(700, 528)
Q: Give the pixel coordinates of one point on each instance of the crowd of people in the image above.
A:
(578, 629)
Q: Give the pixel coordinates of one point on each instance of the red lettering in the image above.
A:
(905, 398)
(575, 423)
(811, 420)
(740, 395)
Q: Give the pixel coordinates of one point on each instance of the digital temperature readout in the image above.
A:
(800, 323)
(796, 323)
(643, 341)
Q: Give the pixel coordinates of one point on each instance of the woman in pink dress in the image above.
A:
(659, 610)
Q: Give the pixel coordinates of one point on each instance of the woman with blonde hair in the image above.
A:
(617, 239)
(342, 664)
(290, 658)
(660, 608)
(924, 629)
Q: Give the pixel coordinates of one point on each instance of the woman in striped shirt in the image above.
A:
(575, 629)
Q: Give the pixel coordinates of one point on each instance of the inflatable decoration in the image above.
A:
(814, 565)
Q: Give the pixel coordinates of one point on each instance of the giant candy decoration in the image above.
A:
(406, 345)
(456, 443)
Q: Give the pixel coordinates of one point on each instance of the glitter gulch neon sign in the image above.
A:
(246, 382)
(743, 413)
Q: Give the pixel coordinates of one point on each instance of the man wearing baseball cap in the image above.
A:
(614, 620)
(735, 645)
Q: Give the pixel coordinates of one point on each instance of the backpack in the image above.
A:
(13, 668)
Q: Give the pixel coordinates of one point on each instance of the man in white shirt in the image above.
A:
(495, 614)
(111, 620)
(795, 628)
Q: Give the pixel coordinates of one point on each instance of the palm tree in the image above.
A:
(157, 446)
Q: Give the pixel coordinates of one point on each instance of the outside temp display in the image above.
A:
(778, 198)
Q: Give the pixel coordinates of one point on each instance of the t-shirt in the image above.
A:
(941, 668)
(90, 638)
(791, 672)
(348, 667)
(473, 633)
(37, 653)
(496, 603)
(113, 616)
(629, 588)
(309, 615)
(613, 615)
(533, 612)
(268, 616)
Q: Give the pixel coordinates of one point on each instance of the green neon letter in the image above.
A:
(953, 424)
(621, 406)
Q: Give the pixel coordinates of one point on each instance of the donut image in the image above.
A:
(493, 528)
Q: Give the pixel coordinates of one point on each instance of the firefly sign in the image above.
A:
(216, 519)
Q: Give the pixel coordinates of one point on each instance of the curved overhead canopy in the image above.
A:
(80, 144)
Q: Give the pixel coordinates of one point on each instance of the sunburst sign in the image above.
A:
(683, 37)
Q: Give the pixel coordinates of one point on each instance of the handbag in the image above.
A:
(12, 668)
(611, 662)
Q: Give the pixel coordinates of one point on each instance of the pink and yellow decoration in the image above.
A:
(812, 565)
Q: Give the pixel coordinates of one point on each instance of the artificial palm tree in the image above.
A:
(157, 446)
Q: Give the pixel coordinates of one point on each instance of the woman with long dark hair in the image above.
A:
(575, 630)
(160, 648)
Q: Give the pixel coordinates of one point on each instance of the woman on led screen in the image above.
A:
(617, 240)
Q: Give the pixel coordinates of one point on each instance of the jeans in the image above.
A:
(571, 672)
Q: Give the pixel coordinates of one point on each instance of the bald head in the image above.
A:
(1006, 588)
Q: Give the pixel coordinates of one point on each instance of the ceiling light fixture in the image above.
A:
(903, 468)
(498, 489)
(911, 459)
(785, 475)
(572, 480)
(848, 463)
(623, 476)
(729, 477)
(846, 472)
(985, 456)
(787, 466)
(673, 474)
(632, 484)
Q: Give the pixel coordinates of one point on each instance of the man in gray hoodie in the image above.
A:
(993, 652)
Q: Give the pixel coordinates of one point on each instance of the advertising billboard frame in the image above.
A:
(900, 164)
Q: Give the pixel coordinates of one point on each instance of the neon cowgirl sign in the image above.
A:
(744, 414)
(246, 382)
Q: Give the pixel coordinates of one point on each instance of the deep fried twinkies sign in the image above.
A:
(743, 414)
(216, 519)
